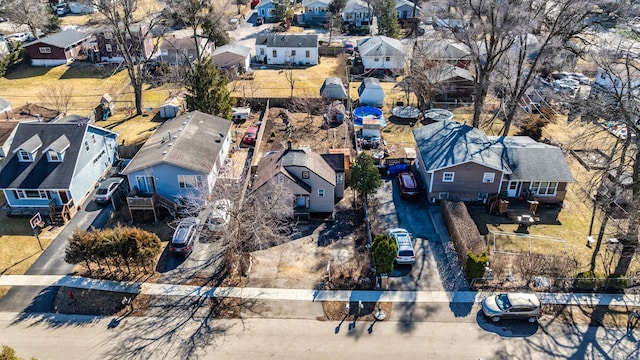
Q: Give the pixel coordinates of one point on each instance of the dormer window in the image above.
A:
(24, 156)
(54, 156)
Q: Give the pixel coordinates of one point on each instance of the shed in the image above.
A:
(371, 93)
(106, 107)
(371, 128)
(170, 108)
(333, 89)
(240, 114)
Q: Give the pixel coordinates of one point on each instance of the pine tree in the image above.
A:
(208, 90)
(387, 22)
(384, 251)
(365, 177)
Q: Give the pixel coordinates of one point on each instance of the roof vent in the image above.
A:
(184, 123)
(179, 129)
(218, 141)
(170, 144)
(175, 136)
(164, 152)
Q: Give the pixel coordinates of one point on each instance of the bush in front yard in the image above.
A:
(476, 265)
(463, 231)
(384, 251)
(589, 281)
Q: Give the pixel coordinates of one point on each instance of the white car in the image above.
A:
(406, 254)
(21, 37)
(219, 216)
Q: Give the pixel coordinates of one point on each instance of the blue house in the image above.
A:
(54, 165)
(181, 160)
(316, 12)
(266, 9)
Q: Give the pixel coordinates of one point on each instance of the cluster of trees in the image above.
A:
(117, 248)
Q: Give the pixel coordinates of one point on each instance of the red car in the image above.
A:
(250, 135)
(408, 186)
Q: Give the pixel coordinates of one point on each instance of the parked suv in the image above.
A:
(408, 186)
(406, 255)
(512, 306)
(184, 236)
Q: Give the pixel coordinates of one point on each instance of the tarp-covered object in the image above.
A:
(333, 89)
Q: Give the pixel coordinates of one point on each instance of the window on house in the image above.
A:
(488, 177)
(293, 53)
(448, 176)
(24, 156)
(482, 196)
(320, 192)
(388, 58)
(86, 145)
(107, 47)
(190, 181)
(261, 51)
(31, 194)
(307, 53)
(376, 59)
(305, 174)
(53, 156)
(275, 53)
(339, 178)
(544, 188)
(45, 50)
(93, 138)
(443, 195)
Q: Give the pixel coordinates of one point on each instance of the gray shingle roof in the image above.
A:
(530, 160)
(41, 174)
(195, 144)
(381, 46)
(448, 143)
(62, 39)
(60, 144)
(287, 41)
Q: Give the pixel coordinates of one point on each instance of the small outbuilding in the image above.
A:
(371, 93)
(333, 89)
(232, 56)
(170, 108)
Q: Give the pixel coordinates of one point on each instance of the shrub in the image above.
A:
(384, 251)
(589, 280)
(463, 231)
(616, 282)
(476, 265)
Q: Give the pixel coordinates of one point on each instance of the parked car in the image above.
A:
(184, 236)
(21, 37)
(250, 135)
(219, 216)
(106, 189)
(119, 165)
(512, 306)
(348, 47)
(408, 186)
(406, 254)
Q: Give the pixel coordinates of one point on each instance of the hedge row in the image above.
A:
(463, 231)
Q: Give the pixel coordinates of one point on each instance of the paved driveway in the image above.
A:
(436, 267)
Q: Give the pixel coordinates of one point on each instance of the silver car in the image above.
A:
(184, 236)
(406, 254)
(512, 306)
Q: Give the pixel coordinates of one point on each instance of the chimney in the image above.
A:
(169, 135)
(289, 145)
(38, 117)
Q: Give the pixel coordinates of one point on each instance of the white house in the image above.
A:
(382, 54)
(232, 56)
(616, 79)
(404, 9)
(282, 49)
(357, 12)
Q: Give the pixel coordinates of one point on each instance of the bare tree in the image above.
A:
(131, 23)
(57, 95)
(33, 13)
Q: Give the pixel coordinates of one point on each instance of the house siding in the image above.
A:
(316, 203)
(393, 63)
(467, 182)
(283, 55)
(227, 60)
(115, 55)
(559, 196)
(57, 56)
(92, 163)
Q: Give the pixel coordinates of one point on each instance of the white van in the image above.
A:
(406, 254)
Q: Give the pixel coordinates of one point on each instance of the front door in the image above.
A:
(512, 188)
(63, 196)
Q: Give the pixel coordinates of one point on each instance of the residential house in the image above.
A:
(459, 162)
(450, 82)
(232, 56)
(55, 164)
(283, 49)
(381, 54)
(405, 8)
(337, 163)
(107, 44)
(309, 178)
(266, 10)
(316, 12)
(182, 50)
(370, 93)
(616, 79)
(56, 49)
(357, 13)
(182, 158)
(447, 51)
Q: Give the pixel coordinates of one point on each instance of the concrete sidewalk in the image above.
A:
(304, 294)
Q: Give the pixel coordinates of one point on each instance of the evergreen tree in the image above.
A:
(208, 90)
(384, 251)
(365, 177)
(387, 21)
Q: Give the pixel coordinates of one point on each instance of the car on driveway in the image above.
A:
(219, 217)
(512, 306)
(106, 189)
(406, 254)
(184, 236)
(408, 186)
(348, 47)
(250, 135)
